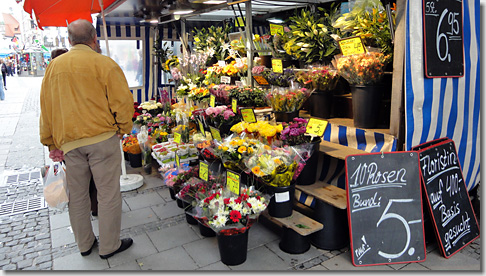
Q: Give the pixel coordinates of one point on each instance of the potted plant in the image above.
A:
(364, 73)
(275, 168)
(312, 39)
(323, 80)
(294, 134)
(286, 102)
(222, 117)
(248, 96)
(231, 217)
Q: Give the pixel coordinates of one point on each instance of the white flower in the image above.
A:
(335, 36)
(235, 206)
(220, 221)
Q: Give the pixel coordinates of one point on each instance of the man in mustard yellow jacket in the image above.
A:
(86, 106)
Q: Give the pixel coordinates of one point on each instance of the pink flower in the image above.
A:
(228, 113)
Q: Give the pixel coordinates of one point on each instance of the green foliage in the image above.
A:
(212, 39)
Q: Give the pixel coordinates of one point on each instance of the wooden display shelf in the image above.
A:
(294, 221)
(337, 150)
(327, 193)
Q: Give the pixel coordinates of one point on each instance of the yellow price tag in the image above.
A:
(276, 29)
(239, 22)
(212, 101)
(201, 126)
(177, 137)
(248, 115)
(204, 171)
(277, 66)
(178, 160)
(261, 80)
(215, 133)
(351, 46)
(316, 127)
(233, 182)
(234, 105)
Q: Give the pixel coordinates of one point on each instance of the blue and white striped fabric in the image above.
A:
(133, 31)
(445, 107)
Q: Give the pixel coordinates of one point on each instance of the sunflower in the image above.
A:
(257, 171)
(241, 149)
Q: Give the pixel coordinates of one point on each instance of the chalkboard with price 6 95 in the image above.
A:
(443, 38)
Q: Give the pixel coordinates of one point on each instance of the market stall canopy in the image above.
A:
(59, 13)
(12, 26)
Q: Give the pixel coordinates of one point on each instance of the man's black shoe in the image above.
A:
(125, 244)
(86, 253)
(94, 214)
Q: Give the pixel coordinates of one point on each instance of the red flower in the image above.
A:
(226, 201)
(238, 200)
(249, 205)
(235, 216)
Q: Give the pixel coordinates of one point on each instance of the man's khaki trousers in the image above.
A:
(103, 161)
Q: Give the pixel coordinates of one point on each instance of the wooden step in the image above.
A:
(337, 150)
(327, 193)
(298, 222)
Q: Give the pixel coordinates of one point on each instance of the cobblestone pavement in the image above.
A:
(25, 236)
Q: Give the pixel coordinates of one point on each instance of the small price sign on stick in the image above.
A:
(316, 127)
(233, 182)
(248, 115)
(351, 46)
(212, 101)
(277, 66)
(215, 133)
(204, 171)
(234, 105)
(177, 137)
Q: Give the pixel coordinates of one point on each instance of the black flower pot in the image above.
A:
(233, 248)
(206, 231)
(281, 201)
(286, 116)
(366, 105)
(266, 60)
(172, 193)
(293, 242)
(188, 207)
(309, 174)
(135, 160)
(179, 203)
(321, 104)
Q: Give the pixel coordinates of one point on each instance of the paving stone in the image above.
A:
(13, 233)
(9, 267)
(27, 251)
(43, 259)
(4, 262)
(46, 266)
(17, 259)
(42, 236)
(32, 255)
(24, 263)
(12, 243)
(20, 236)
(27, 240)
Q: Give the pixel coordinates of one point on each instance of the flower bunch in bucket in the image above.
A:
(320, 78)
(233, 150)
(362, 69)
(228, 213)
(287, 99)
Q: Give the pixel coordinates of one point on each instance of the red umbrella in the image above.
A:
(59, 13)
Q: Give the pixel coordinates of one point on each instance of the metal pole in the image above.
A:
(104, 27)
(249, 41)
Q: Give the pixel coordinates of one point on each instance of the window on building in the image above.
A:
(129, 55)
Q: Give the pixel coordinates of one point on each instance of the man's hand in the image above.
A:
(56, 155)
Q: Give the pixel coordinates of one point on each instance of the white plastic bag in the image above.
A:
(55, 186)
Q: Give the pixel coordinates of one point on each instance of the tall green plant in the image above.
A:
(213, 40)
(312, 39)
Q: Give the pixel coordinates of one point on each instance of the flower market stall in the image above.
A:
(233, 137)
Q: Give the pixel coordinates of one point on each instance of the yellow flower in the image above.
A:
(242, 149)
(277, 161)
(225, 148)
(257, 171)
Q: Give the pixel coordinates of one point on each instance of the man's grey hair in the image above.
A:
(81, 32)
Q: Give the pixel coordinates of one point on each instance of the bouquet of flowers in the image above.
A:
(261, 129)
(247, 96)
(275, 167)
(362, 69)
(196, 189)
(220, 115)
(199, 94)
(187, 84)
(258, 70)
(183, 175)
(294, 133)
(213, 74)
(321, 79)
(205, 146)
(227, 213)
(130, 144)
(221, 92)
(212, 40)
(285, 99)
(144, 119)
(284, 80)
(233, 150)
(151, 107)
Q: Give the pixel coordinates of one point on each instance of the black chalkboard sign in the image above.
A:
(447, 197)
(385, 208)
(443, 38)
